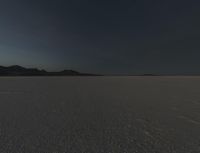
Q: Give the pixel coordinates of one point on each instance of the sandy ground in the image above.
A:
(100, 115)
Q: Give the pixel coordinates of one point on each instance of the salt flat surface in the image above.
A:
(100, 115)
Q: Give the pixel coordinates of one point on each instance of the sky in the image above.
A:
(102, 36)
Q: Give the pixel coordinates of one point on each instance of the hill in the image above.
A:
(17, 70)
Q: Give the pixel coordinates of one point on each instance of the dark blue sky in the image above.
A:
(104, 36)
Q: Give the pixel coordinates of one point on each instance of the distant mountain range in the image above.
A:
(17, 70)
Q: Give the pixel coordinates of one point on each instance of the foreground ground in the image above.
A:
(100, 115)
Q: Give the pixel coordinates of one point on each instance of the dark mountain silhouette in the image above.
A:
(17, 70)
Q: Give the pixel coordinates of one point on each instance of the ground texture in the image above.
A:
(100, 115)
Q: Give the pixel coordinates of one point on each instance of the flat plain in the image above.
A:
(100, 114)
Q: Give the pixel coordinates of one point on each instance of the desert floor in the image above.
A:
(100, 114)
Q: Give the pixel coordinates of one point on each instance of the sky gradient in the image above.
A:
(104, 36)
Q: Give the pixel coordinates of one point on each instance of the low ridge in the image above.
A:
(16, 70)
